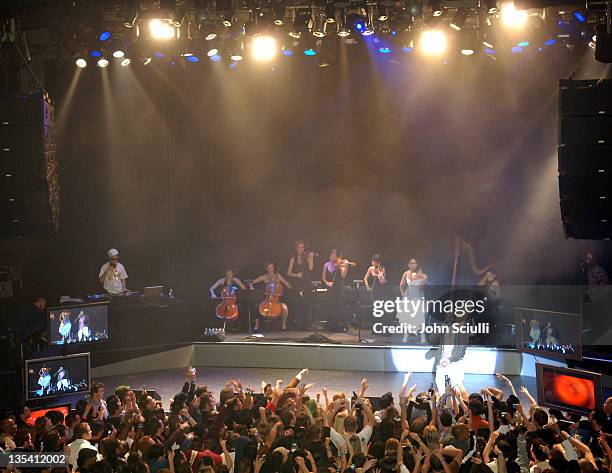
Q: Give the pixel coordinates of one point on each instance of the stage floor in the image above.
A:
(169, 382)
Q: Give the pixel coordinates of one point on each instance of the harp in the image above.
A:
(462, 247)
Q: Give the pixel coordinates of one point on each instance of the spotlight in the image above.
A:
(226, 12)
(458, 21)
(415, 7)
(491, 6)
(263, 48)
(118, 53)
(383, 10)
(433, 42)
(279, 13)
(95, 53)
(80, 62)
(147, 61)
(212, 52)
(436, 7)
(105, 36)
(310, 52)
(318, 25)
(368, 27)
(343, 28)
(513, 18)
(192, 58)
(330, 12)
(468, 41)
(301, 20)
(236, 57)
(162, 29)
(467, 52)
(102, 62)
(126, 62)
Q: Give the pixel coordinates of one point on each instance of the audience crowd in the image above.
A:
(287, 429)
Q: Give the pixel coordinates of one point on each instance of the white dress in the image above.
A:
(414, 292)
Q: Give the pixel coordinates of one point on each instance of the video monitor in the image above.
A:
(37, 413)
(78, 323)
(556, 335)
(59, 375)
(568, 389)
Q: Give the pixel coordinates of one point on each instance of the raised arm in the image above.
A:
(526, 392)
(507, 381)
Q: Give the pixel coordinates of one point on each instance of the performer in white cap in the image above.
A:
(112, 274)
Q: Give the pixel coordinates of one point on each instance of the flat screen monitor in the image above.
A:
(568, 389)
(83, 323)
(556, 335)
(55, 376)
(36, 413)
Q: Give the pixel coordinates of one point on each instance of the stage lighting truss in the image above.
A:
(167, 30)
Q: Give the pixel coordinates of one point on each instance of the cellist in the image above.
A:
(230, 281)
(272, 279)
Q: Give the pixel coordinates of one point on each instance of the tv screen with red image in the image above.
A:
(568, 389)
(37, 413)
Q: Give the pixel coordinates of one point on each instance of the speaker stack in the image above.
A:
(29, 179)
(585, 158)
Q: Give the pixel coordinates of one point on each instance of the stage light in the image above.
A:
(459, 19)
(118, 53)
(147, 61)
(415, 7)
(95, 53)
(579, 16)
(467, 52)
(159, 54)
(105, 36)
(126, 62)
(433, 42)
(310, 52)
(489, 51)
(384, 50)
(192, 58)
(287, 52)
(318, 25)
(236, 57)
(212, 52)
(516, 49)
(215, 58)
(330, 12)
(513, 18)
(80, 62)
(161, 29)
(279, 13)
(263, 48)
(436, 7)
(102, 62)
(301, 19)
(523, 44)
(550, 42)
(407, 49)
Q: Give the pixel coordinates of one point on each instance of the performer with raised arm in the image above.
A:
(301, 265)
(230, 281)
(273, 279)
(333, 275)
(411, 287)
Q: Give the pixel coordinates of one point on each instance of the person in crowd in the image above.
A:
(113, 275)
(293, 430)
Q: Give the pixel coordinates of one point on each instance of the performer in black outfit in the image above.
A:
(333, 276)
(375, 278)
(300, 273)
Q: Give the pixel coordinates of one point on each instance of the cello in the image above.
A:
(271, 307)
(227, 309)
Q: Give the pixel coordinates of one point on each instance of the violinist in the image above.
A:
(271, 279)
(299, 272)
(333, 276)
(376, 277)
(230, 281)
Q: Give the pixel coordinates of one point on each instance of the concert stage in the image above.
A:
(280, 350)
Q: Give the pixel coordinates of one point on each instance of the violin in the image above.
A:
(227, 309)
(271, 307)
(344, 262)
